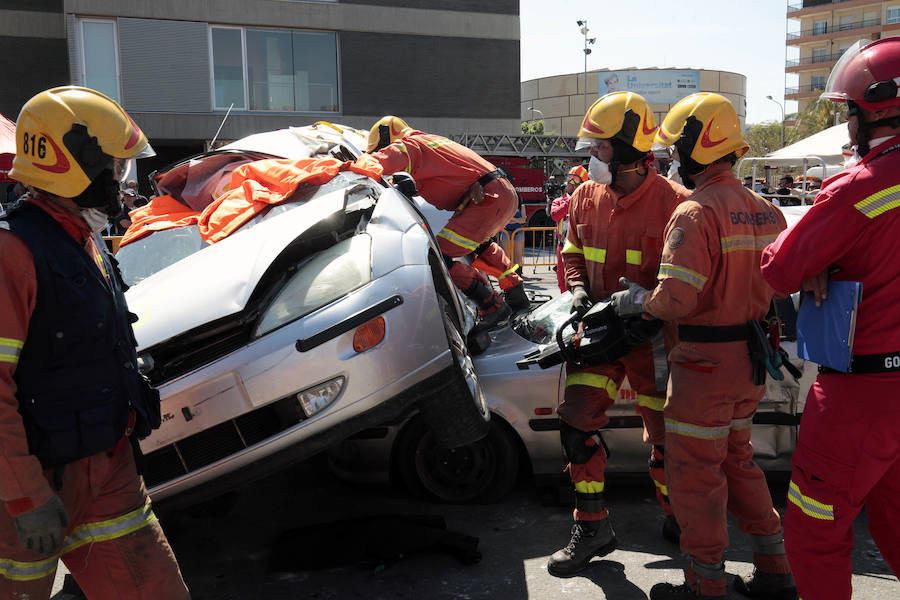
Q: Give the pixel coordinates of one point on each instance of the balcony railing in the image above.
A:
(795, 5)
(834, 28)
(811, 60)
(813, 87)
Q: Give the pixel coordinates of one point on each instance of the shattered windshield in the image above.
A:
(539, 326)
(153, 253)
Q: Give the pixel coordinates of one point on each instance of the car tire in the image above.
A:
(457, 413)
(478, 473)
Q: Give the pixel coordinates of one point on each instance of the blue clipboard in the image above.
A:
(825, 333)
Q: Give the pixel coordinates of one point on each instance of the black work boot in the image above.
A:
(667, 591)
(671, 531)
(771, 586)
(517, 298)
(589, 539)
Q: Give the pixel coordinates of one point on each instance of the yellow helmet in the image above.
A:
(704, 128)
(67, 136)
(624, 116)
(387, 130)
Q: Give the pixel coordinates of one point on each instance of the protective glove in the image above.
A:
(630, 302)
(581, 301)
(42, 529)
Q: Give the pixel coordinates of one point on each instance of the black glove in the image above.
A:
(581, 301)
(630, 302)
(42, 529)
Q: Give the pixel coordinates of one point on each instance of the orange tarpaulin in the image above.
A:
(163, 212)
(260, 184)
(254, 187)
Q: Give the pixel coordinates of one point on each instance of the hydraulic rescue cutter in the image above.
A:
(598, 337)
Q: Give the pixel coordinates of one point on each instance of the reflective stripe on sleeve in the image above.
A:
(746, 242)
(809, 506)
(595, 381)
(589, 487)
(880, 202)
(696, 431)
(10, 350)
(455, 238)
(437, 143)
(682, 274)
(633, 257)
(662, 487)
(88, 533)
(651, 402)
(570, 248)
(508, 272)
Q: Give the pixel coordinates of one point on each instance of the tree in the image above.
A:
(818, 115)
(764, 138)
(536, 127)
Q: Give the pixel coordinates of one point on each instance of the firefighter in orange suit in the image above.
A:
(848, 453)
(616, 226)
(710, 284)
(559, 212)
(452, 177)
(71, 398)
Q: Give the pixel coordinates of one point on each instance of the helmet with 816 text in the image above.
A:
(75, 142)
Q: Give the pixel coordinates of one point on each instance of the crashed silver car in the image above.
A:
(321, 316)
(524, 433)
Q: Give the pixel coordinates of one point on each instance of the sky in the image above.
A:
(743, 36)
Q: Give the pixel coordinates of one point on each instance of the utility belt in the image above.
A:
(490, 176)
(766, 355)
(864, 364)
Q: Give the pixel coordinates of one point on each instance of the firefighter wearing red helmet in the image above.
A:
(453, 177)
(709, 283)
(616, 223)
(72, 402)
(848, 452)
(559, 212)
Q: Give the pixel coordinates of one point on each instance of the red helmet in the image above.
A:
(577, 175)
(867, 74)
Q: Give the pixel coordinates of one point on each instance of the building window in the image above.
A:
(820, 27)
(817, 82)
(818, 55)
(893, 15)
(275, 70)
(100, 56)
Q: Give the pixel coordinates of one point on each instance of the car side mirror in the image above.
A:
(404, 183)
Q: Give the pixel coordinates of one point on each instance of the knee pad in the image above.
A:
(574, 443)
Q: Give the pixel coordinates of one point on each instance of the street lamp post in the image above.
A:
(584, 31)
(782, 117)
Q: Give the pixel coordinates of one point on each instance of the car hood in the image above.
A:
(222, 276)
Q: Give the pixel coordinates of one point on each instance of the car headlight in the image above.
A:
(316, 399)
(325, 277)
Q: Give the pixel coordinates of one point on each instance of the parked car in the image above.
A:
(524, 433)
(320, 317)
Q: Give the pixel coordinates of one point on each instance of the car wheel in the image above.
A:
(480, 472)
(457, 414)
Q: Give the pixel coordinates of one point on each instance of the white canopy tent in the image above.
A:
(819, 155)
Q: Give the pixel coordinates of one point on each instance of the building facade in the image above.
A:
(819, 31)
(446, 66)
(560, 100)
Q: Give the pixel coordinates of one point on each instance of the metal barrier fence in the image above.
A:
(530, 246)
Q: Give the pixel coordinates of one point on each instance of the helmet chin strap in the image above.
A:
(102, 193)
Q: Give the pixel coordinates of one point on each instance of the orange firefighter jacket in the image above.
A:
(22, 482)
(443, 169)
(613, 235)
(709, 274)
